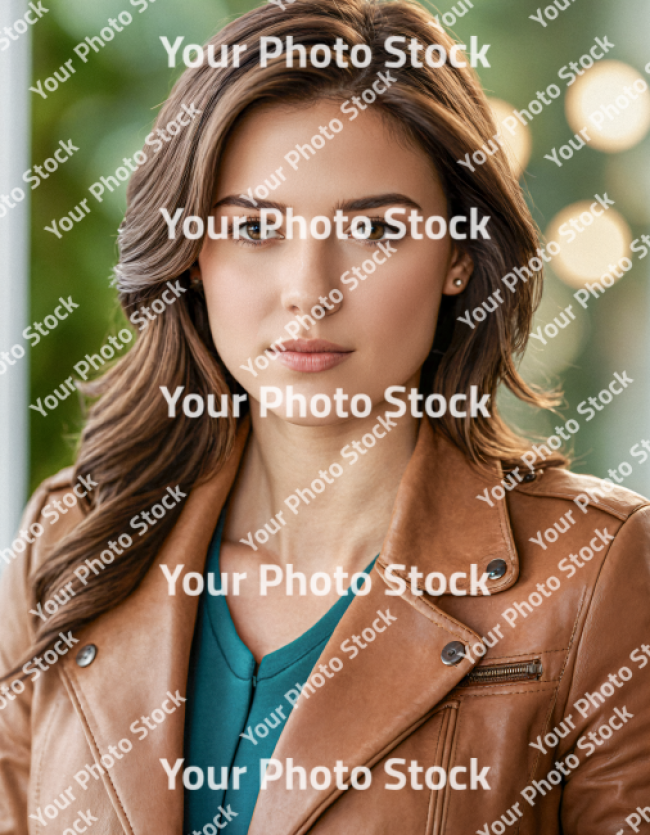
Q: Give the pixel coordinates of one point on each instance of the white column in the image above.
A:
(15, 71)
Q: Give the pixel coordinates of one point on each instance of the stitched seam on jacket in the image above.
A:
(506, 533)
(511, 693)
(458, 628)
(454, 625)
(428, 824)
(78, 693)
(503, 684)
(452, 758)
(553, 703)
(619, 514)
(39, 769)
(573, 634)
(521, 654)
(316, 813)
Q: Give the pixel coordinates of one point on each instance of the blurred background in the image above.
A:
(107, 108)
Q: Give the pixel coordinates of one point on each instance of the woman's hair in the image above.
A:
(129, 445)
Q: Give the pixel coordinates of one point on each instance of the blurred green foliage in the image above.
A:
(107, 108)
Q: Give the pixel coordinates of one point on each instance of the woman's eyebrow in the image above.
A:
(247, 203)
(371, 202)
(376, 201)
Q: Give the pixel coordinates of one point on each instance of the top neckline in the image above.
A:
(236, 654)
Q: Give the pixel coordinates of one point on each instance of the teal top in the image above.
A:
(235, 715)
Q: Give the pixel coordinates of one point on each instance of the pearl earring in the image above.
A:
(458, 282)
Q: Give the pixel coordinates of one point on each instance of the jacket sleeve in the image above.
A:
(16, 633)
(609, 697)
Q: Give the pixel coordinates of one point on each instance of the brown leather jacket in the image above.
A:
(567, 671)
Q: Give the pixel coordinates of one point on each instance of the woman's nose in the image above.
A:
(312, 280)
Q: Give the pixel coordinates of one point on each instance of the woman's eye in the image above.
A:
(252, 231)
(376, 230)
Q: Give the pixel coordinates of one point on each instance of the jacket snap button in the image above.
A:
(86, 655)
(496, 569)
(529, 477)
(453, 653)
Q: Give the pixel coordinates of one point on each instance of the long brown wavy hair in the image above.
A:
(129, 445)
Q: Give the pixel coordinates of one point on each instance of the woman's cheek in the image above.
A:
(237, 305)
(407, 306)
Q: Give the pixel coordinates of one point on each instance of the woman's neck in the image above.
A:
(330, 494)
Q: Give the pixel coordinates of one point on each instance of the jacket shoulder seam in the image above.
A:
(619, 512)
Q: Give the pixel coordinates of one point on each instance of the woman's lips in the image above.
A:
(312, 355)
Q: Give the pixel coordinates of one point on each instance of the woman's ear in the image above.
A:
(459, 273)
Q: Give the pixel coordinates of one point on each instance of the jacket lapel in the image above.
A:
(143, 650)
(366, 708)
(391, 686)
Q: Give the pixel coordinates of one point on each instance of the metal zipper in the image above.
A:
(504, 673)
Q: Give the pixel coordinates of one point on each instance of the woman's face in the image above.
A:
(379, 323)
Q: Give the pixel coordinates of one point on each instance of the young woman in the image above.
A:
(370, 616)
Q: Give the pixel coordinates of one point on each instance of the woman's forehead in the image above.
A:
(315, 148)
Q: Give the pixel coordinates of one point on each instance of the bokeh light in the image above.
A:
(599, 243)
(518, 147)
(612, 101)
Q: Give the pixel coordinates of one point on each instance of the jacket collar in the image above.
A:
(438, 522)
(144, 646)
